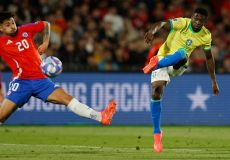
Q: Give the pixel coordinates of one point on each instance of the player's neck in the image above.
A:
(194, 30)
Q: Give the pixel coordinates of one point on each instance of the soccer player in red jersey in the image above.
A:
(18, 50)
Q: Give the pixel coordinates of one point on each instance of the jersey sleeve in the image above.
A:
(176, 23)
(34, 28)
(207, 43)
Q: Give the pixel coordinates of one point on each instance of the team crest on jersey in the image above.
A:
(188, 42)
(24, 34)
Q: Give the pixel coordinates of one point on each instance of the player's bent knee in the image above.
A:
(60, 96)
(158, 89)
(157, 92)
(180, 63)
(182, 53)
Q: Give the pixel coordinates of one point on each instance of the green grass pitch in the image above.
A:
(112, 143)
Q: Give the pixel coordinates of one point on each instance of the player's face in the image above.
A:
(198, 21)
(8, 27)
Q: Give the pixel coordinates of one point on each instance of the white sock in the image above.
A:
(84, 110)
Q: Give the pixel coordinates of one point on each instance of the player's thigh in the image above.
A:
(6, 109)
(46, 90)
(160, 75)
(19, 92)
(159, 84)
(60, 96)
(159, 80)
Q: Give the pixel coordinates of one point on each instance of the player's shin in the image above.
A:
(155, 106)
(172, 59)
(84, 110)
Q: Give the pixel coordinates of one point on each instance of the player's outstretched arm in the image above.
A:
(211, 69)
(154, 29)
(42, 48)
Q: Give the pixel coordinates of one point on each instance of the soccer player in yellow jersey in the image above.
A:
(184, 36)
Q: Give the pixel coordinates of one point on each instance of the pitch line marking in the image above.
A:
(104, 148)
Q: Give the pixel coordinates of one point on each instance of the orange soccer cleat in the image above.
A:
(158, 147)
(108, 113)
(151, 66)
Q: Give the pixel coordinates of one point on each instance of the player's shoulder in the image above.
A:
(206, 34)
(25, 25)
(180, 19)
(187, 20)
(206, 31)
(29, 25)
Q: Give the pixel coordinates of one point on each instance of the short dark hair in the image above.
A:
(5, 15)
(201, 11)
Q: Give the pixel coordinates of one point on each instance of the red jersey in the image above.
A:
(20, 52)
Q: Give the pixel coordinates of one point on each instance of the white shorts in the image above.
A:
(164, 74)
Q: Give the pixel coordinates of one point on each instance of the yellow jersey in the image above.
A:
(182, 36)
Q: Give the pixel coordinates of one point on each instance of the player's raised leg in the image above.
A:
(104, 117)
(169, 60)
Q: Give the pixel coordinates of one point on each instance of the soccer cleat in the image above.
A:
(108, 113)
(152, 65)
(158, 147)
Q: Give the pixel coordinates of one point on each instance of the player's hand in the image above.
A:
(149, 37)
(42, 48)
(215, 88)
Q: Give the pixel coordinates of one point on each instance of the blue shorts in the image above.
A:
(21, 90)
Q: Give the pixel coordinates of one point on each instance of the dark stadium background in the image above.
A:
(107, 35)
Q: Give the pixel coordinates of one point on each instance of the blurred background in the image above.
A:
(108, 35)
(104, 41)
